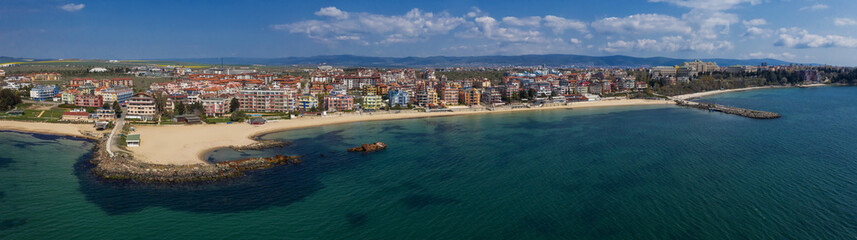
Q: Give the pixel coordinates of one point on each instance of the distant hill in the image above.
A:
(442, 61)
(5, 59)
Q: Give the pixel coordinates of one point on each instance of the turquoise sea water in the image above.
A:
(653, 172)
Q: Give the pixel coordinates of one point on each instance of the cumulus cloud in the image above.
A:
(491, 29)
(801, 38)
(73, 7)
(575, 41)
(710, 24)
(560, 24)
(781, 56)
(641, 24)
(754, 22)
(666, 44)
(815, 7)
(713, 5)
(332, 12)
(533, 21)
(342, 25)
(844, 22)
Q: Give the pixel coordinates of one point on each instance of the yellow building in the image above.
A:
(43, 76)
(372, 102)
(470, 96)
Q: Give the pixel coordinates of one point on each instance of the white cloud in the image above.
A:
(781, 56)
(641, 24)
(413, 25)
(534, 21)
(712, 5)
(844, 22)
(72, 7)
(815, 7)
(575, 41)
(491, 29)
(801, 38)
(332, 12)
(754, 22)
(560, 24)
(710, 24)
(666, 44)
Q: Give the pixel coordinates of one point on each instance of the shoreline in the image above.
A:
(690, 96)
(189, 144)
(76, 130)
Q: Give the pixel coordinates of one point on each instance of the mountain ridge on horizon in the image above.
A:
(488, 60)
(552, 60)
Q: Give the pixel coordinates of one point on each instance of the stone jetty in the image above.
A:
(369, 147)
(729, 110)
(261, 144)
(124, 167)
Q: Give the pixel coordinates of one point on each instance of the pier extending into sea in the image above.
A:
(729, 110)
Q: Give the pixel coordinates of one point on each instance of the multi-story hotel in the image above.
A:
(87, 100)
(258, 100)
(338, 102)
(117, 94)
(216, 106)
(141, 106)
(372, 102)
(307, 102)
(470, 96)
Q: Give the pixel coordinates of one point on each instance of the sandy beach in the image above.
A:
(187, 144)
(64, 129)
(715, 92)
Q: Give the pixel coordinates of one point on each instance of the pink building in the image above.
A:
(338, 102)
(87, 100)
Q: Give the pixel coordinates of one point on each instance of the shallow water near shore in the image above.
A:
(645, 172)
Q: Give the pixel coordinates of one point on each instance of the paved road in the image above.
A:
(112, 145)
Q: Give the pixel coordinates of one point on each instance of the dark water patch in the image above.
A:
(544, 224)
(2, 195)
(5, 162)
(261, 189)
(356, 219)
(12, 223)
(393, 127)
(417, 201)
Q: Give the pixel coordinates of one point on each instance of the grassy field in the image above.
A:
(51, 115)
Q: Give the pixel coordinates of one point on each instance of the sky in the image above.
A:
(803, 31)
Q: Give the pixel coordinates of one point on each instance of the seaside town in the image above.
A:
(217, 95)
(132, 110)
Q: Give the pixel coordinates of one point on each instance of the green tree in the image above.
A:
(180, 108)
(234, 104)
(237, 116)
(105, 106)
(8, 99)
(117, 108)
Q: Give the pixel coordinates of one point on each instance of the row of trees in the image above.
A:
(8, 99)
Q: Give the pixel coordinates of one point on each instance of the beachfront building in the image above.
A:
(87, 100)
(449, 96)
(44, 76)
(469, 96)
(105, 114)
(44, 93)
(492, 96)
(426, 98)
(259, 100)
(307, 102)
(116, 94)
(372, 102)
(141, 106)
(399, 98)
(132, 140)
(338, 102)
(216, 106)
(76, 115)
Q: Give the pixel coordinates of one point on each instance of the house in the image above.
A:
(76, 115)
(132, 140)
(141, 106)
(257, 121)
(68, 96)
(187, 119)
(105, 114)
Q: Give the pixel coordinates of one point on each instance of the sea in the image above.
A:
(642, 172)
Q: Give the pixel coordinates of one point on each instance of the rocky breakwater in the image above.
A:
(729, 110)
(369, 147)
(125, 167)
(261, 144)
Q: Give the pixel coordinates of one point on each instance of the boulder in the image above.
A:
(368, 147)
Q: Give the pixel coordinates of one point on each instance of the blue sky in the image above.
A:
(811, 31)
